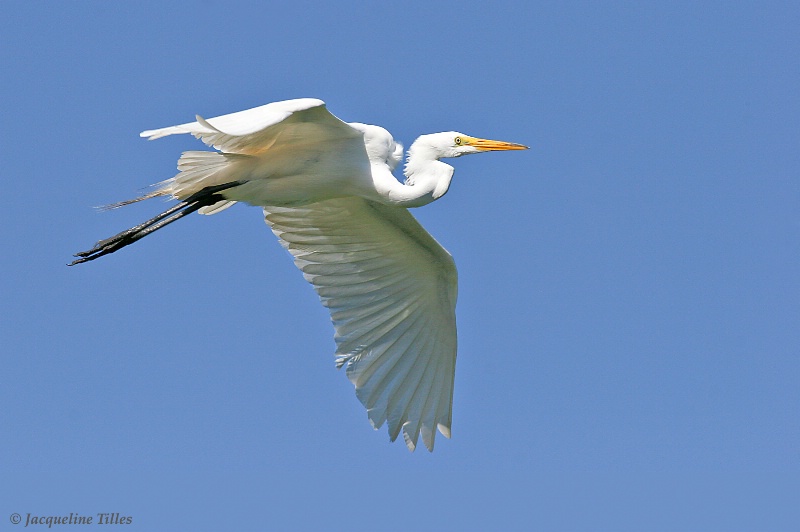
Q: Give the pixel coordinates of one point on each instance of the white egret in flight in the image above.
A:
(329, 195)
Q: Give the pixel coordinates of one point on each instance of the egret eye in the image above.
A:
(458, 141)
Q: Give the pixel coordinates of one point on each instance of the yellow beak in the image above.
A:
(492, 145)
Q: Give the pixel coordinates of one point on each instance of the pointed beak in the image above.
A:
(493, 145)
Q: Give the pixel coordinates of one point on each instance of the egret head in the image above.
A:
(455, 144)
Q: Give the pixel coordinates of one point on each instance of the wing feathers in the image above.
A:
(400, 404)
(371, 330)
(381, 392)
(416, 404)
(267, 127)
(391, 290)
(390, 287)
(366, 371)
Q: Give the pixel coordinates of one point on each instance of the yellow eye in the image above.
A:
(458, 141)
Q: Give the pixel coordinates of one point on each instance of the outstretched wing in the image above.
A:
(391, 290)
(268, 127)
(279, 139)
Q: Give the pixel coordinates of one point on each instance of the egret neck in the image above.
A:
(427, 178)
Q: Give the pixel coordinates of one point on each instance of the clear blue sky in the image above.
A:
(629, 312)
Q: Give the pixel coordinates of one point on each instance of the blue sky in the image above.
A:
(629, 305)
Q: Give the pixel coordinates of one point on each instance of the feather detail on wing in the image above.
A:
(391, 290)
(268, 127)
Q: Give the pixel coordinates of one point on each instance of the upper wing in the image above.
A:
(267, 127)
(391, 290)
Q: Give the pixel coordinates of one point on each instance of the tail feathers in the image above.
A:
(117, 205)
(217, 207)
(200, 169)
(207, 197)
(203, 176)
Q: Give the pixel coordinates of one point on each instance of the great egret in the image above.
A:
(329, 195)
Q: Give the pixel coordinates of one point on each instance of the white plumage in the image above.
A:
(329, 195)
(391, 291)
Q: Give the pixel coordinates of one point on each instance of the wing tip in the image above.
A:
(410, 442)
(428, 436)
(298, 104)
(153, 134)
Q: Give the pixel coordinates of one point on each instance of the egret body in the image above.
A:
(329, 195)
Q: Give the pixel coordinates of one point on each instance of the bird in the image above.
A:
(328, 193)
